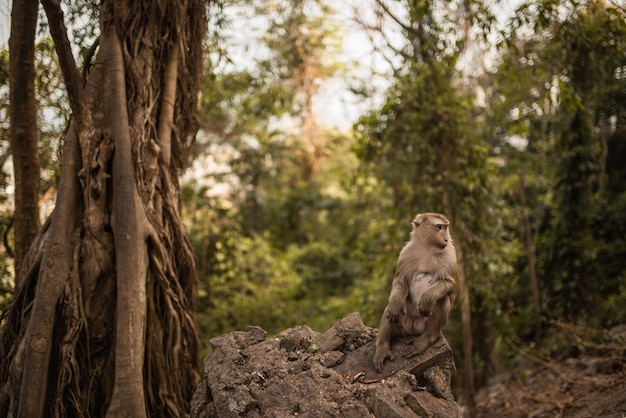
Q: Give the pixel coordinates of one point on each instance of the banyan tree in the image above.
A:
(102, 322)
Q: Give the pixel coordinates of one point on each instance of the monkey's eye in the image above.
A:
(441, 227)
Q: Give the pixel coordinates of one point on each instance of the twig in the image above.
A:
(531, 357)
(558, 370)
(7, 289)
(5, 237)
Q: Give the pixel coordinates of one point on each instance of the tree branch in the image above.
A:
(53, 276)
(23, 129)
(5, 238)
(6, 289)
(4, 157)
(369, 28)
(395, 18)
(168, 99)
(71, 75)
(87, 56)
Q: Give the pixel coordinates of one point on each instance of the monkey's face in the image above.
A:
(432, 227)
(440, 234)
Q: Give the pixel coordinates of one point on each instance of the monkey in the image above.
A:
(423, 290)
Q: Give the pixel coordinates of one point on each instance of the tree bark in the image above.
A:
(71, 75)
(54, 276)
(104, 323)
(468, 342)
(466, 310)
(166, 116)
(131, 257)
(530, 255)
(23, 130)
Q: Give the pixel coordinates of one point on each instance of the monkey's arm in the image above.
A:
(383, 341)
(399, 292)
(441, 288)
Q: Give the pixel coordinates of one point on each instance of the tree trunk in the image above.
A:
(23, 130)
(464, 301)
(103, 322)
(54, 279)
(130, 232)
(486, 342)
(530, 255)
(468, 343)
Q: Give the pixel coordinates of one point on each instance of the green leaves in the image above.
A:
(576, 50)
(326, 238)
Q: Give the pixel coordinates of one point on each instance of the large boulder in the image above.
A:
(303, 373)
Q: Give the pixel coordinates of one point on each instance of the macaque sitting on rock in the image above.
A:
(423, 289)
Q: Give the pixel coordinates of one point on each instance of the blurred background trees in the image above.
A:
(512, 126)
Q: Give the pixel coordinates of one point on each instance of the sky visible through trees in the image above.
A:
(5, 15)
(336, 106)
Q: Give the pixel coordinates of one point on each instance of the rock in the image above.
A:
(349, 333)
(331, 358)
(297, 338)
(302, 372)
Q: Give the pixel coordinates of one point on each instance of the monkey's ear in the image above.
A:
(418, 220)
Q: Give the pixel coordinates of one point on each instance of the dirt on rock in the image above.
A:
(303, 373)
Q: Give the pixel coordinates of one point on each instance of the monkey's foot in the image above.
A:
(419, 346)
(379, 358)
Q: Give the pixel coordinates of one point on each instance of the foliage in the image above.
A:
(303, 267)
(283, 204)
(249, 277)
(568, 90)
(426, 145)
(540, 139)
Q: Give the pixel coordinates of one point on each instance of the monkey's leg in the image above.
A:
(434, 328)
(383, 342)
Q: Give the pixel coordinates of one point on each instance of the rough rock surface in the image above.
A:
(303, 373)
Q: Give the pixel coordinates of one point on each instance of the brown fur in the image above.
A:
(423, 290)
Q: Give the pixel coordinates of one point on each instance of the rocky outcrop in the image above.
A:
(303, 373)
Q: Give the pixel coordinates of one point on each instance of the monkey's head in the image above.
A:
(431, 228)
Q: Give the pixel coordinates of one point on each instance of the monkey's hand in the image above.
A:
(426, 304)
(431, 296)
(393, 311)
(382, 353)
(437, 291)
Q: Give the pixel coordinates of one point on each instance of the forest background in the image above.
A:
(511, 121)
